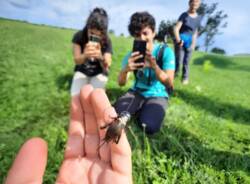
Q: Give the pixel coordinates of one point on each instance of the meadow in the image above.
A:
(205, 137)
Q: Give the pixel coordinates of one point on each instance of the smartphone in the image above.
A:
(94, 38)
(140, 46)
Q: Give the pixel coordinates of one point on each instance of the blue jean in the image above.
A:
(182, 56)
(148, 111)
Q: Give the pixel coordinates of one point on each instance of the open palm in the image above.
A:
(84, 161)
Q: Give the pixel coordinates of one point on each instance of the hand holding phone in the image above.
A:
(140, 46)
(94, 46)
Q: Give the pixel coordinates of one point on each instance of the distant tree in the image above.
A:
(165, 31)
(122, 34)
(214, 21)
(111, 31)
(218, 50)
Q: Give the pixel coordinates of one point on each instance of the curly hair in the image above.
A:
(140, 20)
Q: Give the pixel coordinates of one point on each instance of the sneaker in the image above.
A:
(185, 81)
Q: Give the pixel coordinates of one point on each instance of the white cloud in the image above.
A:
(67, 7)
(20, 3)
(120, 11)
(69, 13)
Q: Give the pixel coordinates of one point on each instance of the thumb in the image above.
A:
(30, 163)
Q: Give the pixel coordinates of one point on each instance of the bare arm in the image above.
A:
(123, 77)
(170, 80)
(194, 38)
(107, 60)
(79, 57)
(177, 29)
(166, 77)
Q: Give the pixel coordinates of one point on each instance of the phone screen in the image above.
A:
(140, 46)
(94, 38)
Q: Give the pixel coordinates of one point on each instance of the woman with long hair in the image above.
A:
(92, 51)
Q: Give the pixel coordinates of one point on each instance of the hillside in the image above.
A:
(205, 136)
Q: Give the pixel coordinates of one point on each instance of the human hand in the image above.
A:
(180, 43)
(150, 60)
(83, 161)
(132, 65)
(92, 51)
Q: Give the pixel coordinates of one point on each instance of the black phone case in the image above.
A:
(140, 46)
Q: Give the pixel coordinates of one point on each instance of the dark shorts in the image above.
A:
(148, 111)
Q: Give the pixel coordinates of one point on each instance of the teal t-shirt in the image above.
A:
(152, 88)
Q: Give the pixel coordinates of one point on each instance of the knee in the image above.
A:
(99, 81)
(102, 78)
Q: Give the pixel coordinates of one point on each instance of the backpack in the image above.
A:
(159, 61)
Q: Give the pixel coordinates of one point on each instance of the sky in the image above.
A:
(73, 14)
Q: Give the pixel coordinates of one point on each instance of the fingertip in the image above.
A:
(98, 97)
(97, 92)
(135, 53)
(37, 142)
(100, 101)
(109, 114)
(85, 91)
(30, 162)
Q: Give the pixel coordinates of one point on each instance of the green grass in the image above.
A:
(205, 136)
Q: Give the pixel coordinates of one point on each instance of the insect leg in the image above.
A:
(118, 139)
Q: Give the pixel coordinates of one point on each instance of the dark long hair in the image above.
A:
(98, 19)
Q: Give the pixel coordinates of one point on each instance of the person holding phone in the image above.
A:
(92, 51)
(186, 32)
(147, 98)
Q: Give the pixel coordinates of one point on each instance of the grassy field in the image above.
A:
(206, 133)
